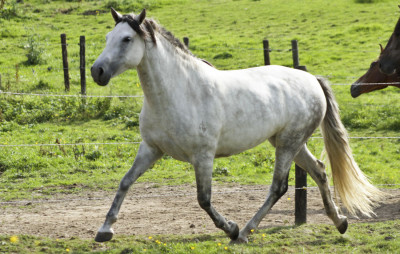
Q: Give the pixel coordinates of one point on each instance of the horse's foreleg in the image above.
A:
(203, 170)
(317, 171)
(145, 157)
(278, 188)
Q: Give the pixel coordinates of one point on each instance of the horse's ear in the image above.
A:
(380, 45)
(139, 18)
(115, 15)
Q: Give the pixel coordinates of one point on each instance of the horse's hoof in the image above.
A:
(103, 236)
(343, 226)
(233, 230)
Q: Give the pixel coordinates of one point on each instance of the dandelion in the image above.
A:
(288, 199)
(226, 248)
(219, 244)
(150, 237)
(252, 231)
(14, 239)
(263, 235)
(144, 250)
(192, 247)
(67, 250)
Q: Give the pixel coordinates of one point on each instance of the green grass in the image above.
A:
(337, 39)
(363, 238)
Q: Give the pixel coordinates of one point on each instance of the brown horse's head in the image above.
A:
(373, 80)
(382, 72)
(389, 60)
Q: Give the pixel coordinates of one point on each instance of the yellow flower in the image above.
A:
(67, 250)
(14, 239)
(226, 248)
(252, 231)
(263, 235)
(219, 244)
(192, 247)
(150, 237)
(288, 199)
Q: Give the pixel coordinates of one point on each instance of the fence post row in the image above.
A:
(65, 60)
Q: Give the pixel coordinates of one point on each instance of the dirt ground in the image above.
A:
(150, 210)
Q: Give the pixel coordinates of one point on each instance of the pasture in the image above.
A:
(79, 149)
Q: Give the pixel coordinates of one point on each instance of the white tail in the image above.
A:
(356, 192)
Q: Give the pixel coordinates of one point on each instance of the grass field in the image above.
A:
(337, 40)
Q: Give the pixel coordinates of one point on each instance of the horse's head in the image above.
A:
(389, 60)
(125, 46)
(373, 80)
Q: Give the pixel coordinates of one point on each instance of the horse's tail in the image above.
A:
(356, 192)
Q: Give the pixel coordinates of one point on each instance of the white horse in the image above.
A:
(195, 113)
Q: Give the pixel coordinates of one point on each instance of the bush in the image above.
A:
(35, 51)
(8, 11)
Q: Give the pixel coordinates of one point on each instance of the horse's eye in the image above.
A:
(127, 39)
(372, 65)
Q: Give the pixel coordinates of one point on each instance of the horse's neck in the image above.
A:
(163, 72)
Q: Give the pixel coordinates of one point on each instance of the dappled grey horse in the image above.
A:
(195, 113)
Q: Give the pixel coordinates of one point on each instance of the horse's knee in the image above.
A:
(283, 189)
(125, 185)
(280, 189)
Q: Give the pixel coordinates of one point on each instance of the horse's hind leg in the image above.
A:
(283, 159)
(317, 171)
(145, 157)
(203, 166)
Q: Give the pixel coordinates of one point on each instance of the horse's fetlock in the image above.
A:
(321, 164)
(111, 218)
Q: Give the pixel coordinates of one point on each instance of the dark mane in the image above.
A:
(152, 27)
(149, 27)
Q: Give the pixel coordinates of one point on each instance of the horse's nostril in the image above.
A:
(101, 71)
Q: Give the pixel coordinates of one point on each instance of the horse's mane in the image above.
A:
(150, 27)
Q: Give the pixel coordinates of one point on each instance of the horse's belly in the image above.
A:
(240, 139)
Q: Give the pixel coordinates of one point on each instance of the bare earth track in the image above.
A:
(150, 210)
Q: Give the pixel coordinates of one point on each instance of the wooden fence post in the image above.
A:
(186, 41)
(300, 210)
(295, 56)
(266, 52)
(82, 64)
(65, 60)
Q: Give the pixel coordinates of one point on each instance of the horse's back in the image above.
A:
(262, 102)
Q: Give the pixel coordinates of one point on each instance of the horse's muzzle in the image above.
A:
(355, 90)
(100, 75)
